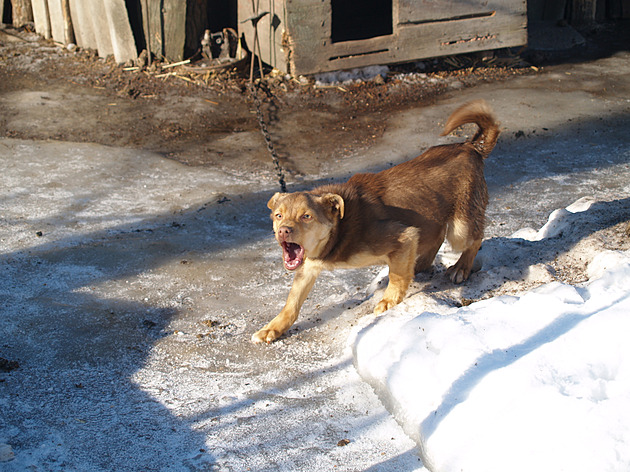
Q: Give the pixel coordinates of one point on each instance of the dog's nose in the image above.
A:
(284, 231)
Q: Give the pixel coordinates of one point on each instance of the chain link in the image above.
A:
(253, 90)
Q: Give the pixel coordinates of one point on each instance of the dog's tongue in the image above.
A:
(293, 255)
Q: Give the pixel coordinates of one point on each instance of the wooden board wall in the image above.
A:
(165, 27)
(102, 25)
(296, 34)
(40, 17)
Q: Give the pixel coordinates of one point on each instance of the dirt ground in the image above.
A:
(207, 119)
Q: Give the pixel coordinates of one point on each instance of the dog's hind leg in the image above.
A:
(464, 266)
(426, 253)
(401, 270)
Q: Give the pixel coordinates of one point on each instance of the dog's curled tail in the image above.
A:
(480, 113)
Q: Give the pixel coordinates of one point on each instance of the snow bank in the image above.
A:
(534, 382)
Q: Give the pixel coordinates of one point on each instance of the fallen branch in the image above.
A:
(175, 64)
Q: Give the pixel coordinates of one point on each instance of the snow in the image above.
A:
(536, 381)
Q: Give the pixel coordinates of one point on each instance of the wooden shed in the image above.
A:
(310, 36)
(303, 36)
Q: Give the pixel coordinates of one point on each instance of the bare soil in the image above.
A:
(208, 119)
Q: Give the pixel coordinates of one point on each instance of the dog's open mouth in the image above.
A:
(293, 255)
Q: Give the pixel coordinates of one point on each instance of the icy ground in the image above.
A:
(130, 286)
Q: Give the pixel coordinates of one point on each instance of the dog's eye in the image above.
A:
(279, 216)
(306, 216)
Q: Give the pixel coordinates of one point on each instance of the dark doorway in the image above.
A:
(352, 20)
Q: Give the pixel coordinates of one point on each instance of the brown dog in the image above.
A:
(398, 217)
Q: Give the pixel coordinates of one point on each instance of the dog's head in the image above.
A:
(303, 223)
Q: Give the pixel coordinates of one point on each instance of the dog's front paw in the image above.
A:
(265, 336)
(383, 306)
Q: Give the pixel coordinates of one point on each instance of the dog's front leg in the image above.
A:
(401, 270)
(303, 282)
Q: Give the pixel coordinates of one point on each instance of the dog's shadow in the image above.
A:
(526, 259)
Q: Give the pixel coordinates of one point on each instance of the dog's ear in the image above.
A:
(336, 203)
(271, 204)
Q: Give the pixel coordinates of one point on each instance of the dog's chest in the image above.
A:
(356, 260)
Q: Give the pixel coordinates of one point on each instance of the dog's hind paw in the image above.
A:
(459, 273)
(265, 336)
(456, 275)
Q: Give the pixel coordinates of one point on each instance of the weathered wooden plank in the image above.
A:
(123, 43)
(457, 37)
(82, 23)
(269, 28)
(314, 22)
(100, 27)
(55, 13)
(174, 17)
(410, 11)
(152, 14)
(22, 12)
(40, 17)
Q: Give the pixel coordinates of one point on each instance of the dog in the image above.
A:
(399, 217)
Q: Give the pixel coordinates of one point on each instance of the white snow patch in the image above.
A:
(538, 381)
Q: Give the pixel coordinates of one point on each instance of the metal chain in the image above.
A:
(253, 90)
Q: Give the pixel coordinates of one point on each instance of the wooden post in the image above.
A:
(174, 25)
(583, 11)
(22, 12)
(68, 32)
